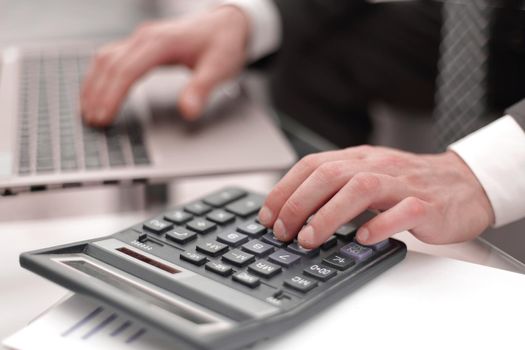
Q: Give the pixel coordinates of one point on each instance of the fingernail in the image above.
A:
(279, 230)
(100, 115)
(193, 104)
(306, 236)
(265, 216)
(362, 235)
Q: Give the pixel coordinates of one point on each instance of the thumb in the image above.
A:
(209, 72)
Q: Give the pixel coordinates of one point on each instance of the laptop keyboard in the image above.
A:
(51, 135)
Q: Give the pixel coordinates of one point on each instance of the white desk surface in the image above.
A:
(38, 220)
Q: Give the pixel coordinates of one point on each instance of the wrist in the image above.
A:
(454, 161)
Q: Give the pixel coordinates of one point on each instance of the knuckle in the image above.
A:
(310, 161)
(416, 207)
(366, 183)
(328, 172)
(365, 148)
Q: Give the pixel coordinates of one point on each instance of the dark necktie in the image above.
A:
(461, 82)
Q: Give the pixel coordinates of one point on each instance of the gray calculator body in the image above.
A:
(219, 303)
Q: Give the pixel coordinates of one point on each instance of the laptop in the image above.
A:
(45, 145)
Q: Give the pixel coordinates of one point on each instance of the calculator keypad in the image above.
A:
(219, 236)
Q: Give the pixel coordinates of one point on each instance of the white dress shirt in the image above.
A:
(495, 153)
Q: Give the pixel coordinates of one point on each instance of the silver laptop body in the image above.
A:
(44, 143)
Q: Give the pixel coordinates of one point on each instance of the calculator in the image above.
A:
(210, 276)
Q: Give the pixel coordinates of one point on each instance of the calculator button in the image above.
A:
(212, 248)
(257, 247)
(233, 239)
(194, 258)
(270, 238)
(300, 283)
(284, 258)
(158, 226)
(347, 231)
(224, 197)
(143, 237)
(329, 243)
(339, 261)
(246, 279)
(252, 228)
(197, 208)
(264, 268)
(220, 217)
(246, 206)
(178, 217)
(238, 257)
(380, 245)
(357, 251)
(201, 225)
(296, 248)
(218, 268)
(320, 272)
(180, 235)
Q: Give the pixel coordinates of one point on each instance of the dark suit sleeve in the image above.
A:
(517, 111)
(304, 21)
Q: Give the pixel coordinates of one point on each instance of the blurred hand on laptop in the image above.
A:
(212, 44)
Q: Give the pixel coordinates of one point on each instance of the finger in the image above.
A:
(408, 214)
(318, 188)
(363, 191)
(130, 66)
(94, 77)
(213, 68)
(291, 181)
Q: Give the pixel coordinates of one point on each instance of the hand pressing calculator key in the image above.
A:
(210, 276)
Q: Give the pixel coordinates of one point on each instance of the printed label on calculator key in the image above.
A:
(238, 257)
(264, 268)
(257, 247)
(252, 228)
(158, 226)
(224, 197)
(220, 217)
(201, 225)
(197, 208)
(246, 279)
(246, 206)
(218, 268)
(300, 283)
(339, 261)
(212, 248)
(178, 217)
(357, 251)
(320, 272)
(194, 258)
(180, 235)
(284, 258)
(233, 239)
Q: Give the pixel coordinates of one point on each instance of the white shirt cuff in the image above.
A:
(496, 156)
(265, 26)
